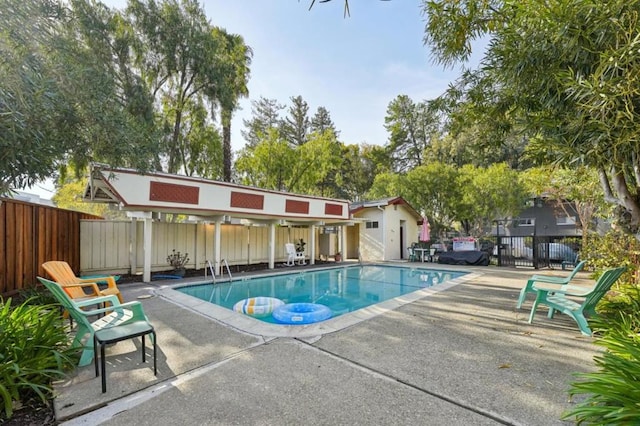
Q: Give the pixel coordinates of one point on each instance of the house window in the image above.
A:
(524, 222)
(566, 220)
(371, 225)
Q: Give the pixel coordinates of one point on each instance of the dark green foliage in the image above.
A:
(613, 392)
(34, 351)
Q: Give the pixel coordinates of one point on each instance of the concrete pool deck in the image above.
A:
(464, 355)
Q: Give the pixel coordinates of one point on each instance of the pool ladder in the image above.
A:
(213, 275)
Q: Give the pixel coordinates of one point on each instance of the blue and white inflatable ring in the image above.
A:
(301, 313)
(257, 306)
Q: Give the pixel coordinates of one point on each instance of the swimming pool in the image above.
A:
(343, 290)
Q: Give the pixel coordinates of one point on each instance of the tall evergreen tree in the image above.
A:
(265, 115)
(296, 125)
(321, 122)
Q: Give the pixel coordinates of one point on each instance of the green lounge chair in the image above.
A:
(557, 300)
(116, 314)
(566, 263)
(560, 281)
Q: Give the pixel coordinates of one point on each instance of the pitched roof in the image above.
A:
(358, 206)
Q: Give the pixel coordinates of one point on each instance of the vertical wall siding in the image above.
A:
(105, 244)
(31, 234)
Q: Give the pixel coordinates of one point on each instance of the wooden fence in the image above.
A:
(31, 234)
(116, 247)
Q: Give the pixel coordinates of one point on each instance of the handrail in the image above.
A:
(210, 267)
(224, 262)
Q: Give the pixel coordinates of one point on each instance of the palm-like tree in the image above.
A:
(232, 86)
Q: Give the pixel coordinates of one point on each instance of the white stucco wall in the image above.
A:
(384, 242)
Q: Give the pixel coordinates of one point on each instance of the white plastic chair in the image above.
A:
(293, 256)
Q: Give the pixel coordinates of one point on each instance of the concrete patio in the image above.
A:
(464, 355)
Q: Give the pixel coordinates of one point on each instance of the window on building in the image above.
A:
(566, 220)
(371, 225)
(524, 221)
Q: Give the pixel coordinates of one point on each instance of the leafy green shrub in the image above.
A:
(612, 393)
(611, 251)
(34, 351)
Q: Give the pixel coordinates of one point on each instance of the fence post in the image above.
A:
(498, 243)
(534, 249)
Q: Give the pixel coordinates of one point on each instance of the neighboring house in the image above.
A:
(544, 218)
(385, 228)
(31, 198)
(554, 227)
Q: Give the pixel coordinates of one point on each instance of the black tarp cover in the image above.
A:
(479, 258)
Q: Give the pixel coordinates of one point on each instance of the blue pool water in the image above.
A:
(341, 289)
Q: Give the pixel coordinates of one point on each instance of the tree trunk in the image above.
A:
(226, 144)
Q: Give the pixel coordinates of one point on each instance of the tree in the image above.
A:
(564, 73)
(265, 116)
(358, 171)
(32, 99)
(490, 193)
(295, 127)
(69, 196)
(268, 163)
(204, 143)
(433, 188)
(113, 99)
(387, 184)
(316, 166)
(65, 96)
(275, 164)
(321, 122)
(411, 127)
(237, 59)
(178, 55)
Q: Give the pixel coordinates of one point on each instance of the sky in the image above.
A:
(353, 66)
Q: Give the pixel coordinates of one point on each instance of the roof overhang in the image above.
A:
(209, 200)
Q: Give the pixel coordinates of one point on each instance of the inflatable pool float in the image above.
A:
(301, 313)
(257, 306)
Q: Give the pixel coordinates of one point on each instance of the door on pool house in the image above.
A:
(353, 242)
(403, 238)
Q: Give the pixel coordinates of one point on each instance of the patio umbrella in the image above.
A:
(425, 231)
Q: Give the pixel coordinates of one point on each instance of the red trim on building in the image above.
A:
(333, 209)
(247, 201)
(295, 206)
(171, 192)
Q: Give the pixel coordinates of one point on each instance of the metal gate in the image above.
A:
(536, 252)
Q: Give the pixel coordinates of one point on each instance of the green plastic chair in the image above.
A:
(566, 263)
(413, 257)
(557, 300)
(561, 281)
(114, 315)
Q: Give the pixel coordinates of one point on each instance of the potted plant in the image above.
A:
(300, 246)
(178, 260)
(338, 257)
